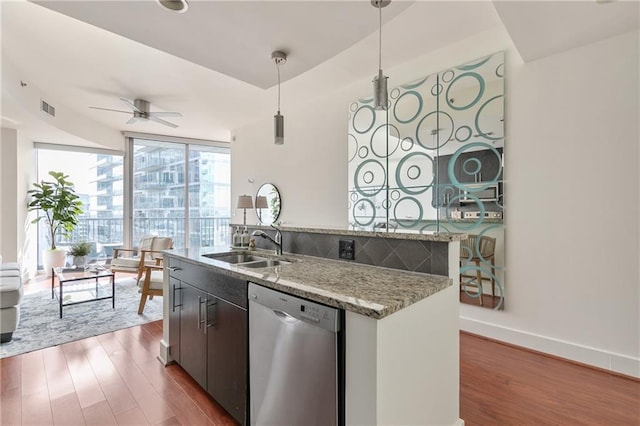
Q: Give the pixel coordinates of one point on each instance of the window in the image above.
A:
(194, 213)
(99, 183)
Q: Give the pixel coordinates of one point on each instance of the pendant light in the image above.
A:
(380, 96)
(280, 58)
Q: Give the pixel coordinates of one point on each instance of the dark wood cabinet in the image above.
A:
(226, 372)
(208, 326)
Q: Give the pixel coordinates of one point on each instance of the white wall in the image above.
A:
(572, 286)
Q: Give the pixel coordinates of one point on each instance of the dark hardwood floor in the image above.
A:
(115, 378)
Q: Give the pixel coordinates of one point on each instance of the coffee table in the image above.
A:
(77, 286)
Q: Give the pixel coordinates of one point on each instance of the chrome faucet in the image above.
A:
(277, 241)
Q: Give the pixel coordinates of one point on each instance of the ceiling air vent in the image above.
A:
(49, 109)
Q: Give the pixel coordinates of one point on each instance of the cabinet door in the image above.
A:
(227, 356)
(491, 164)
(175, 303)
(193, 343)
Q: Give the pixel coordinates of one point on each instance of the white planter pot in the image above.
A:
(53, 259)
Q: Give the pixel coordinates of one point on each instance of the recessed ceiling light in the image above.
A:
(179, 6)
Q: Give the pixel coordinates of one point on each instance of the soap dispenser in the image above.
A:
(236, 240)
(245, 238)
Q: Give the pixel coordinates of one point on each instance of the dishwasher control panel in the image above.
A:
(295, 307)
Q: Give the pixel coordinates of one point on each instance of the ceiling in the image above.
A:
(213, 62)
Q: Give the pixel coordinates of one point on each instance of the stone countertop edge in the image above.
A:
(403, 235)
(372, 291)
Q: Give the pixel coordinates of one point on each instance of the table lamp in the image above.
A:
(245, 202)
(261, 203)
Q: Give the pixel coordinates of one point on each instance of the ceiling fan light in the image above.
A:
(278, 128)
(179, 6)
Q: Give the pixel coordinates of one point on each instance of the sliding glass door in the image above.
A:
(180, 190)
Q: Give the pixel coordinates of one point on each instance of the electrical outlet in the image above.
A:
(346, 249)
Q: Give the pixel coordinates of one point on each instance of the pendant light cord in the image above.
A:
(278, 67)
(380, 41)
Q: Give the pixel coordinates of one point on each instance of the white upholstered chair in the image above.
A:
(134, 260)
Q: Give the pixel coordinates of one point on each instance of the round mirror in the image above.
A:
(268, 204)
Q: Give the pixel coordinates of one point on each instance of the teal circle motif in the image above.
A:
(480, 81)
(395, 136)
(438, 89)
(363, 152)
(355, 206)
(394, 93)
(463, 138)
(447, 76)
(395, 195)
(404, 222)
(353, 107)
(451, 167)
(356, 184)
(406, 189)
(418, 110)
(500, 71)
(414, 172)
(360, 111)
(448, 125)
(474, 161)
(353, 147)
(353, 197)
(406, 144)
(368, 177)
(483, 134)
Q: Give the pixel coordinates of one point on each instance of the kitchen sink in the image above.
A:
(234, 258)
(247, 260)
(264, 263)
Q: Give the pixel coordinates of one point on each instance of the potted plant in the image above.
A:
(79, 251)
(61, 208)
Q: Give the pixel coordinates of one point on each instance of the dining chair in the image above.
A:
(478, 249)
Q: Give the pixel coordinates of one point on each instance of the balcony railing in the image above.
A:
(107, 233)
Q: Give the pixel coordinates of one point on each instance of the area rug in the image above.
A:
(41, 326)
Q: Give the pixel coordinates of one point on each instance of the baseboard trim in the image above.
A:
(163, 355)
(604, 360)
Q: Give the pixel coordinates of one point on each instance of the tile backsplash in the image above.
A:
(409, 255)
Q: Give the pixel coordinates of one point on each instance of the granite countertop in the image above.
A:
(371, 291)
(404, 234)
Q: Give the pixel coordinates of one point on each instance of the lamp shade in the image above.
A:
(261, 202)
(245, 202)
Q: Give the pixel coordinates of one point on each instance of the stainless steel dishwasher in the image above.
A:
(296, 360)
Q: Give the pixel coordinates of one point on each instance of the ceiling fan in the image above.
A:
(140, 110)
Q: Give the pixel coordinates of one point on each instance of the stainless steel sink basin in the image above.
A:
(234, 258)
(264, 263)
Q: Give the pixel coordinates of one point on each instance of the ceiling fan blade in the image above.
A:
(132, 120)
(108, 109)
(165, 114)
(161, 121)
(131, 104)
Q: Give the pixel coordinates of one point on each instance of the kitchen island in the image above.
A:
(401, 331)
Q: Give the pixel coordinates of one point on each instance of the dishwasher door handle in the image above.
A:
(283, 316)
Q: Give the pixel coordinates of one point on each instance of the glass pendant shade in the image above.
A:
(278, 128)
(380, 94)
